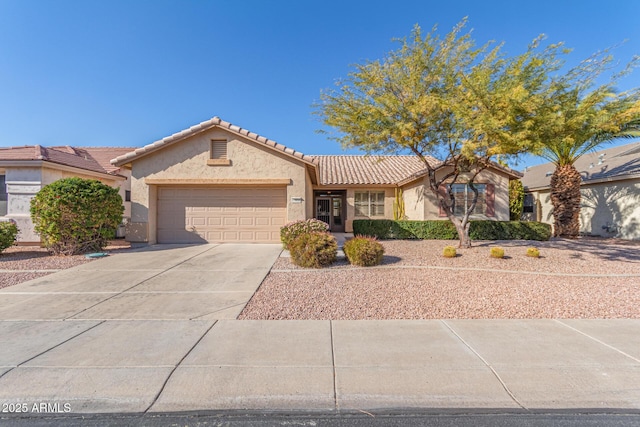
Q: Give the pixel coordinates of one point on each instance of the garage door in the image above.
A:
(232, 214)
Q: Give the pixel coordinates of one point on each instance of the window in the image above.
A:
(463, 195)
(529, 203)
(3, 195)
(218, 153)
(369, 203)
(127, 195)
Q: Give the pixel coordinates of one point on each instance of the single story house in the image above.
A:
(610, 192)
(217, 182)
(25, 170)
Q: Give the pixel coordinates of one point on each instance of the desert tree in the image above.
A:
(455, 105)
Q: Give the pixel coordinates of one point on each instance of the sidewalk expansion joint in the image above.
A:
(635, 359)
(333, 363)
(487, 364)
(166, 381)
(52, 347)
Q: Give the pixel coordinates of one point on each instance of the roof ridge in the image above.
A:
(206, 125)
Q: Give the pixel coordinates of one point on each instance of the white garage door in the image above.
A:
(230, 214)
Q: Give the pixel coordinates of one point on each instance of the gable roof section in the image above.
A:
(367, 170)
(94, 159)
(204, 126)
(611, 164)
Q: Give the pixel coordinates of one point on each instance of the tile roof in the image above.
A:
(201, 127)
(95, 159)
(610, 164)
(345, 169)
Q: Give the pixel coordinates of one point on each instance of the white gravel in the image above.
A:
(587, 278)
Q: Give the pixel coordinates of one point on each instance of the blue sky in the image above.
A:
(126, 73)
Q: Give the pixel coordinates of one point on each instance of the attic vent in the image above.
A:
(219, 150)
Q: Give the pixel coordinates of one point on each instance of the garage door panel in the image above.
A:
(190, 215)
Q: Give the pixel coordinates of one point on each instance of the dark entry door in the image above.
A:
(330, 210)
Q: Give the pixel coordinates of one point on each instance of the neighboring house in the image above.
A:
(217, 182)
(610, 192)
(25, 170)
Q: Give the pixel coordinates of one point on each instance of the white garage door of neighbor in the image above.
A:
(196, 215)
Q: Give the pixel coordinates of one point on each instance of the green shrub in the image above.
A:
(449, 252)
(363, 251)
(533, 252)
(390, 229)
(8, 234)
(75, 215)
(313, 250)
(497, 252)
(444, 229)
(290, 231)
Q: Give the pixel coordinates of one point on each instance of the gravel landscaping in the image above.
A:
(30, 262)
(585, 278)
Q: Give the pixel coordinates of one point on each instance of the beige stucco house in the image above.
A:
(217, 182)
(25, 170)
(610, 192)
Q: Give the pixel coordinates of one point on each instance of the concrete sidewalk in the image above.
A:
(192, 365)
(154, 331)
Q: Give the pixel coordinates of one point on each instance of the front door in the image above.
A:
(330, 210)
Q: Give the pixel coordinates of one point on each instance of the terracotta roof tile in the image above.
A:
(95, 159)
(365, 170)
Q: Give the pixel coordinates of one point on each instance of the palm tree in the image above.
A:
(566, 180)
(578, 114)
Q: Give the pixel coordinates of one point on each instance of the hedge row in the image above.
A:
(445, 230)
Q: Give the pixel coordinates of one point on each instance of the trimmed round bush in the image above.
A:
(75, 215)
(497, 252)
(533, 252)
(290, 231)
(313, 250)
(449, 252)
(8, 234)
(363, 251)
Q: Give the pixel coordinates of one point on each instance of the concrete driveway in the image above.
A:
(157, 283)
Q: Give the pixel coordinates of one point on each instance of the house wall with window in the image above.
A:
(373, 210)
(21, 184)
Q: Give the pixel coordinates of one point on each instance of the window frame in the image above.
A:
(468, 195)
(372, 207)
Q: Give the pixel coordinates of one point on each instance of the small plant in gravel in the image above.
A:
(497, 252)
(533, 252)
(363, 251)
(290, 231)
(313, 250)
(8, 234)
(449, 252)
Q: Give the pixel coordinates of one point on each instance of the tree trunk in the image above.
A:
(566, 199)
(463, 233)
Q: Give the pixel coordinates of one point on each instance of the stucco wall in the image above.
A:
(608, 209)
(187, 159)
(414, 200)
